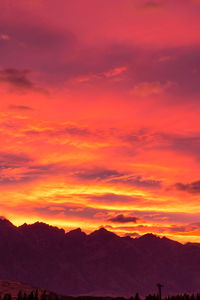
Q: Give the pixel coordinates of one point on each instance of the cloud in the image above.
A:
(132, 234)
(123, 219)
(69, 129)
(145, 70)
(150, 5)
(11, 166)
(113, 198)
(189, 228)
(97, 174)
(32, 40)
(167, 217)
(37, 44)
(12, 180)
(144, 89)
(4, 37)
(19, 168)
(115, 72)
(193, 187)
(137, 181)
(71, 209)
(76, 131)
(148, 140)
(42, 37)
(178, 229)
(12, 160)
(20, 107)
(100, 214)
(189, 145)
(17, 79)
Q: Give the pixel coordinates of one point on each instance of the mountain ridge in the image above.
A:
(76, 263)
(102, 231)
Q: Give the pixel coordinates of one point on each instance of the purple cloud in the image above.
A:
(17, 78)
(97, 174)
(193, 187)
(20, 107)
(137, 181)
(123, 219)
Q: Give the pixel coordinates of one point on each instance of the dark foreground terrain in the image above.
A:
(100, 263)
(20, 291)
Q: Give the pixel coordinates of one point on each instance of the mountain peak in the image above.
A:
(41, 228)
(76, 233)
(103, 233)
(35, 226)
(149, 236)
(6, 223)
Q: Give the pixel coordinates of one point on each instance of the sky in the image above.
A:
(99, 115)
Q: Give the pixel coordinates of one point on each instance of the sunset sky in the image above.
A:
(100, 115)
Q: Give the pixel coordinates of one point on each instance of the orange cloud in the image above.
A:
(146, 89)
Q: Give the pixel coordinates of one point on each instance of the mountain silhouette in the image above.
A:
(100, 263)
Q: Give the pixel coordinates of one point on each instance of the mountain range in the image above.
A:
(100, 263)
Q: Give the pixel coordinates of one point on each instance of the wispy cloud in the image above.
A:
(19, 80)
(19, 107)
(193, 187)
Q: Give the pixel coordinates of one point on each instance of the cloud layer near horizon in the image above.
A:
(99, 115)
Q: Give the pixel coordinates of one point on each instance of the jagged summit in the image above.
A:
(103, 233)
(6, 222)
(6, 225)
(39, 227)
(149, 237)
(76, 233)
